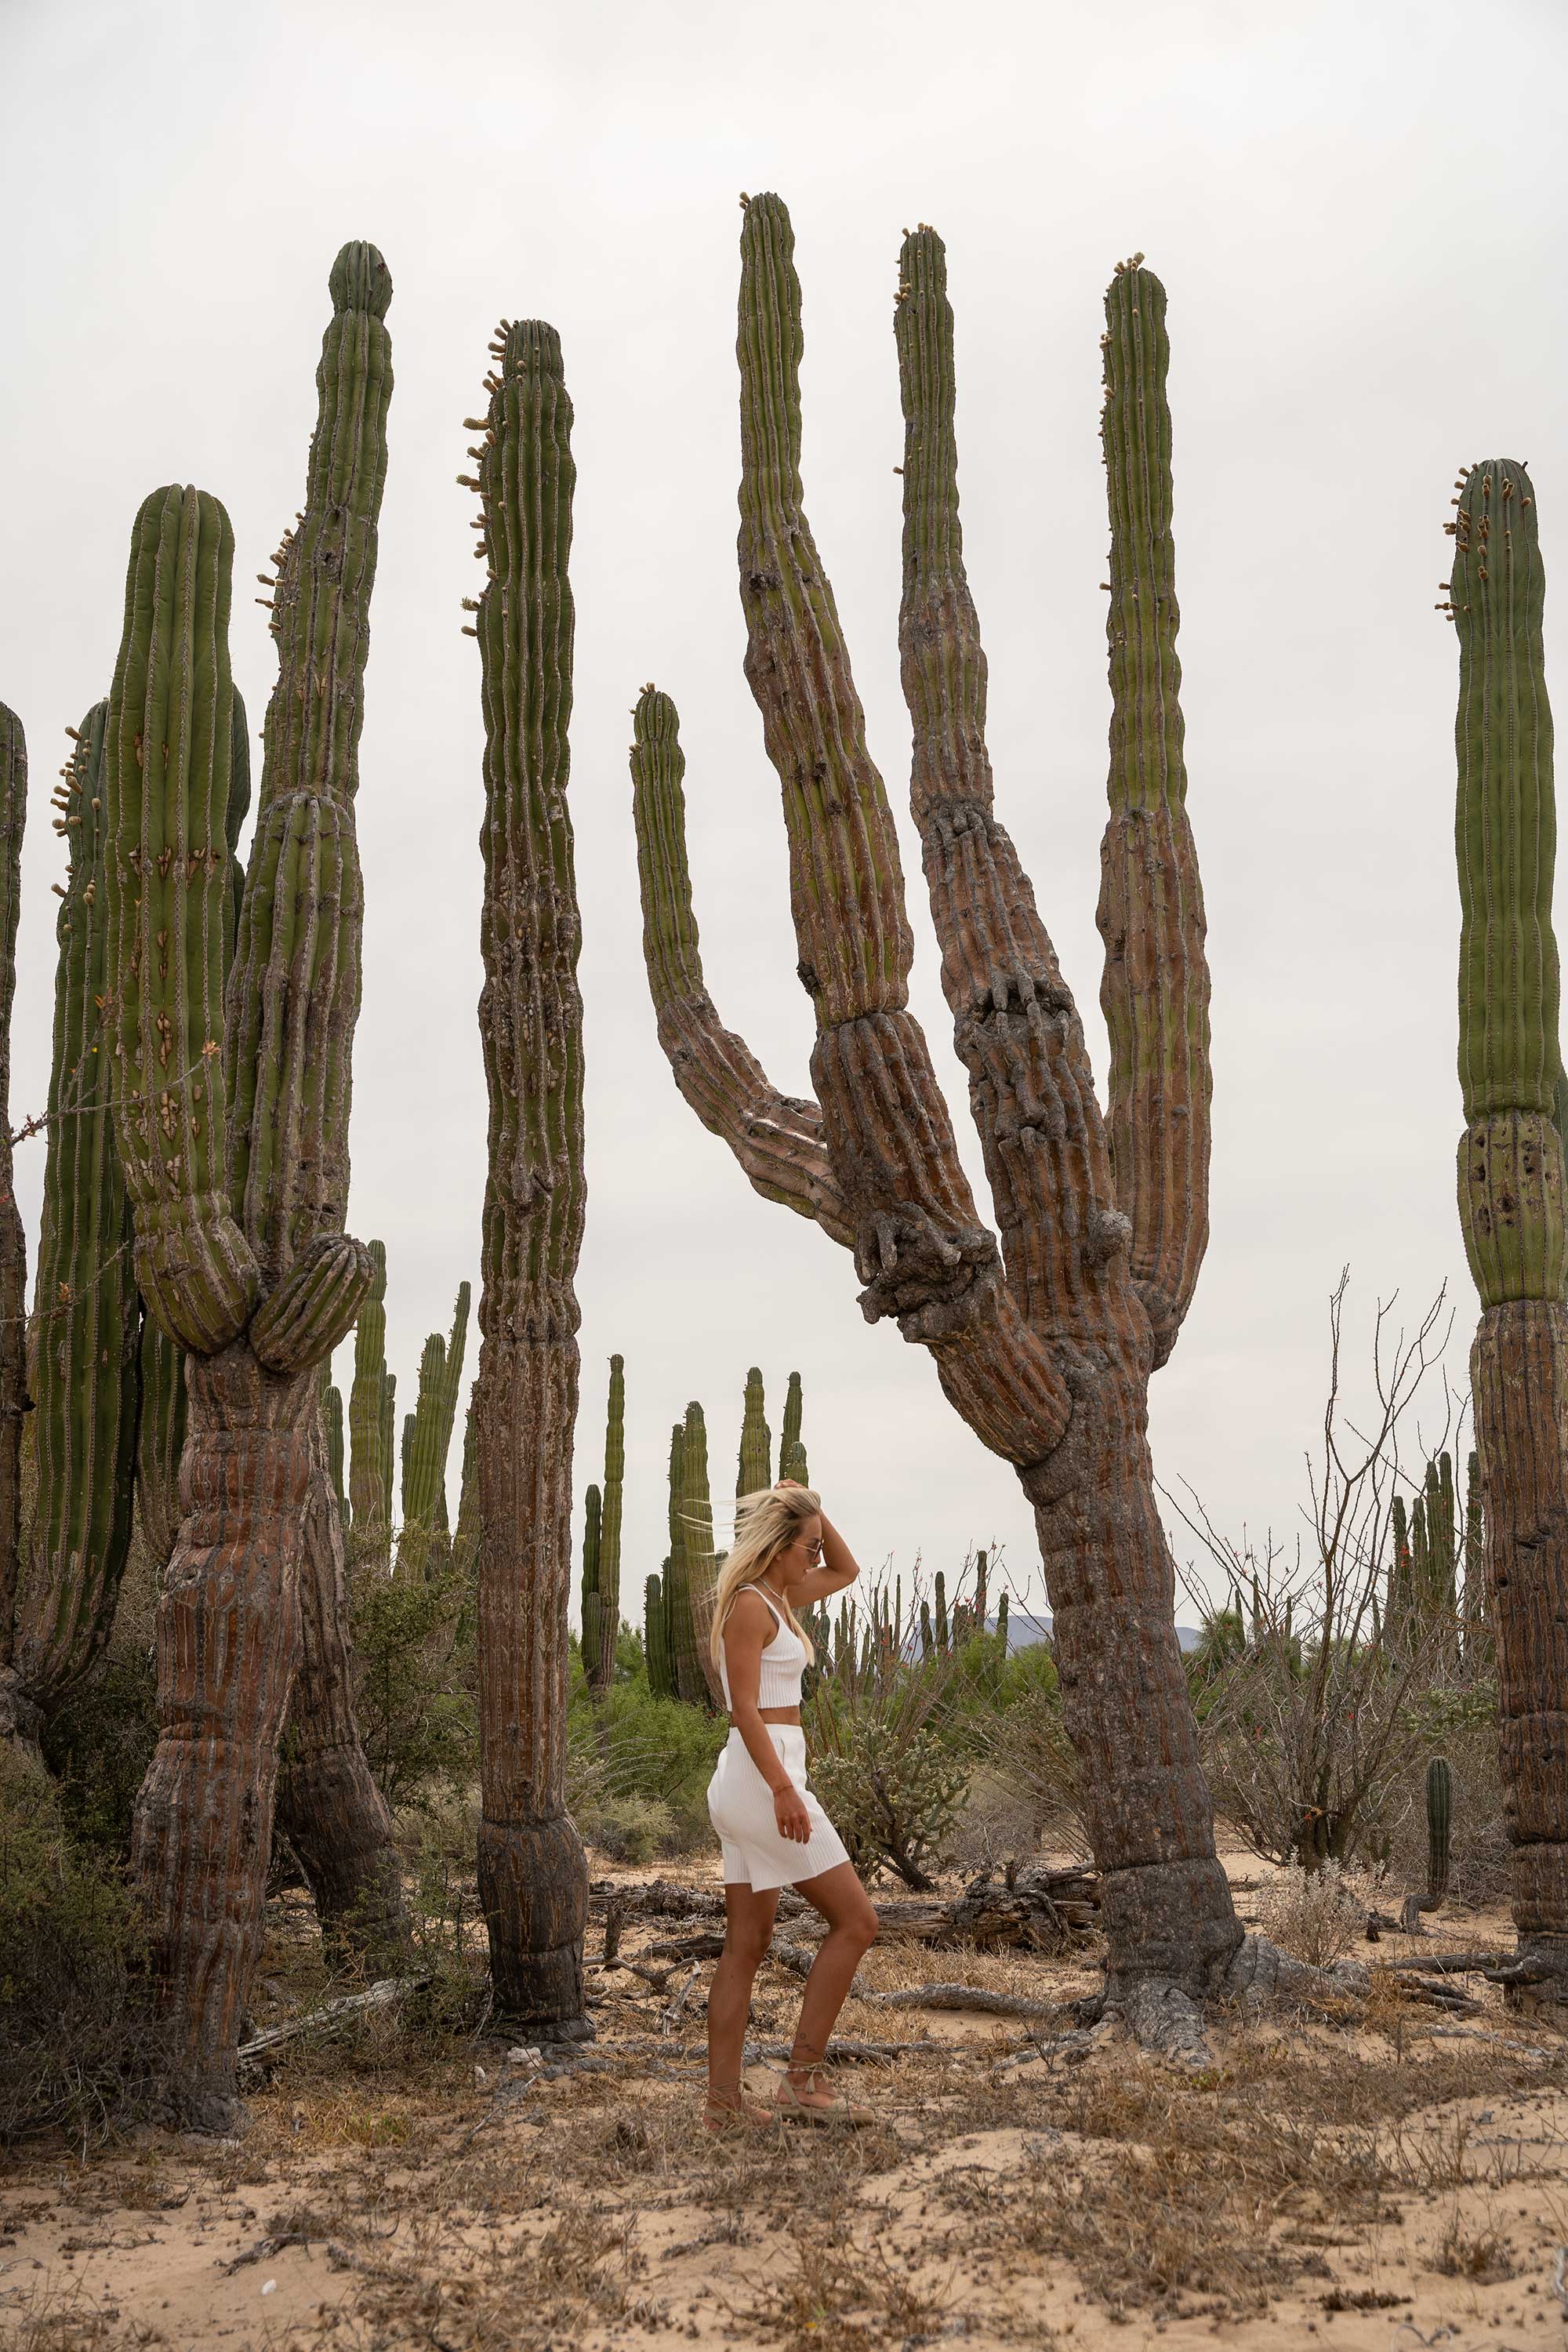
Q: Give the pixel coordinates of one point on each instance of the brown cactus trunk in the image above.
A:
(229, 1633)
(1167, 1909)
(328, 1806)
(533, 1877)
(1518, 1382)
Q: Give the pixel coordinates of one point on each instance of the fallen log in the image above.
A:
(331, 2015)
(973, 1998)
(1041, 1910)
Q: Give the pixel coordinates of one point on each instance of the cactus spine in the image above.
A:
(85, 1376)
(233, 1136)
(1102, 1221)
(756, 1464)
(1511, 1167)
(13, 1716)
(792, 1452)
(533, 1877)
(602, 1592)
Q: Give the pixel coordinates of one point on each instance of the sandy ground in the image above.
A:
(1390, 2177)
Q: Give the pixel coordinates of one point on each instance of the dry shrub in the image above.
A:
(1317, 1916)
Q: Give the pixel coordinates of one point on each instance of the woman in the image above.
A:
(772, 1831)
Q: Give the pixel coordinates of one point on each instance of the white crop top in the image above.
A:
(782, 1663)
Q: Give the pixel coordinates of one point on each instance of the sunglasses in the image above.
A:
(812, 1550)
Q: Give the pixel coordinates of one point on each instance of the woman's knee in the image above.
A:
(747, 1948)
(864, 1927)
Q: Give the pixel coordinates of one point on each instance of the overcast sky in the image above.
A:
(1357, 214)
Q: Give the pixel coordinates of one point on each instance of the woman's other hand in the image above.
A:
(790, 1813)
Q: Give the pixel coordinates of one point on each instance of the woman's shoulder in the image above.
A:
(750, 1613)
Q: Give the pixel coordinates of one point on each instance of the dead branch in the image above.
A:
(331, 2015)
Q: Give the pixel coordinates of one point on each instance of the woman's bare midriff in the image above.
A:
(780, 1715)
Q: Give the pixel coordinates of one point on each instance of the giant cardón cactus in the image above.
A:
(755, 1467)
(1511, 1170)
(533, 1877)
(1044, 1345)
(602, 1566)
(15, 1715)
(232, 1123)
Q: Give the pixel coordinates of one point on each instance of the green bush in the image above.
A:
(633, 1830)
(417, 1697)
(78, 2042)
(631, 1745)
(893, 1791)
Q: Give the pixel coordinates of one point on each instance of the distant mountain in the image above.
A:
(1024, 1631)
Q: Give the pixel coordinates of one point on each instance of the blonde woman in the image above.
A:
(773, 1833)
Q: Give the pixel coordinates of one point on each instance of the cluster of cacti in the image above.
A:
(372, 1408)
(428, 1440)
(533, 1878)
(692, 1570)
(944, 1629)
(1422, 1581)
(231, 1124)
(655, 1635)
(1102, 1222)
(602, 1544)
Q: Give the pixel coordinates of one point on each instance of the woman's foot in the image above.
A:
(805, 2095)
(735, 2110)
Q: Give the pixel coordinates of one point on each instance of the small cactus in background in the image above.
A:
(371, 1404)
(655, 1635)
(85, 1375)
(792, 1452)
(1439, 1845)
(602, 1595)
(332, 1421)
(593, 1521)
(756, 1470)
(942, 1630)
(685, 1662)
(1002, 1620)
(15, 1715)
(429, 1433)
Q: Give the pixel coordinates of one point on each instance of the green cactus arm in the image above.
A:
(424, 1464)
(465, 1541)
(295, 992)
(1030, 1084)
(1510, 1158)
(86, 1375)
(656, 1638)
(756, 1463)
(1155, 989)
(386, 1450)
(776, 1138)
(450, 1392)
(701, 1685)
(591, 1601)
(169, 750)
(315, 1306)
(13, 1237)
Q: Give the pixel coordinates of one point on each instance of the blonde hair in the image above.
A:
(766, 1524)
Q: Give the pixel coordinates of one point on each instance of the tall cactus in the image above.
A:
(792, 1452)
(428, 1435)
(680, 1627)
(696, 1674)
(1511, 1175)
(602, 1598)
(534, 1877)
(1102, 1221)
(85, 1369)
(332, 1421)
(15, 1715)
(756, 1464)
(232, 1126)
(593, 1518)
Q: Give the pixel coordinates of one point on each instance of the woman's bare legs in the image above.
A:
(748, 1931)
(852, 1924)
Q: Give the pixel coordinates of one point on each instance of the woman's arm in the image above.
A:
(748, 1629)
(839, 1567)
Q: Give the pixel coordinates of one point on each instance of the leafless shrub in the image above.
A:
(1312, 1695)
(1317, 1914)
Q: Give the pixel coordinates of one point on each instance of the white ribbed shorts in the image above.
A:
(741, 1808)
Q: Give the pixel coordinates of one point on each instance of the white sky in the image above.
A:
(1356, 211)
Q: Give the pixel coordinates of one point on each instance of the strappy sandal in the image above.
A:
(744, 2113)
(835, 2109)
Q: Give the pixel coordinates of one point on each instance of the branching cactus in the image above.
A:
(15, 1715)
(1042, 1340)
(428, 1436)
(1510, 1168)
(85, 1376)
(533, 1877)
(232, 1126)
(756, 1464)
(792, 1452)
(602, 1600)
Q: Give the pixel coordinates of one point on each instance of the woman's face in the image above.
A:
(799, 1558)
